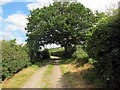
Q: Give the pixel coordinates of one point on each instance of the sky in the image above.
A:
(13, 14)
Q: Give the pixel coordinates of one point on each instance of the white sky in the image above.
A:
(92, 4)
(98, 4)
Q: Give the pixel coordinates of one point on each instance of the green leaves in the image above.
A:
(14, 58)
(60, 23)
(103, 45)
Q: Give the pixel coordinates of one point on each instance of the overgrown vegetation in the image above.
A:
(45, 54)
(39, 55)
(104, 47)
(14, 58)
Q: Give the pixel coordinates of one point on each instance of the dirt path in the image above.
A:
(36, 79)
(54, 80)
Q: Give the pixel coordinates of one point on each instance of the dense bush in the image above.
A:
(69, 52)
(104, 47)
(81, 54)
(38, 55)
(45, 54)
(14, 58)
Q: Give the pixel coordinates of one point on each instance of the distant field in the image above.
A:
(56, 50)
(80, 53)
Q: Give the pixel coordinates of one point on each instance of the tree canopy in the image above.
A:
(60, 23)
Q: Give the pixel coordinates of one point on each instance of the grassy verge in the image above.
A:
(74, 76)
(91, 77)
(82, 77)
(24, 75)
(20, 78)
(69, 76)
(46, 74)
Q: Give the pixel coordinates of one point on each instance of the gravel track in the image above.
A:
(54, 80)
(36, 79)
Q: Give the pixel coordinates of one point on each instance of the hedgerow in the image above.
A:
(14, 58)
(45, 54)
(104, 46)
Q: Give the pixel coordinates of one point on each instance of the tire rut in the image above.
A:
(56, 79)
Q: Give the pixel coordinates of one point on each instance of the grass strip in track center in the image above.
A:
(46, 76)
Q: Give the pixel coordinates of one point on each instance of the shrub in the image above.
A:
(104, 47)
(69, 52)
(81, 54)
(45, 54)
(14, 58)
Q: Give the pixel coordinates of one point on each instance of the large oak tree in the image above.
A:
(60, 23)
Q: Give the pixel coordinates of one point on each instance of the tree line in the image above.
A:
(15, 57)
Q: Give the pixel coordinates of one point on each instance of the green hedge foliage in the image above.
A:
(69, 52)
(104, 47)
(14, 58)
(45, 54)
(39, 55)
